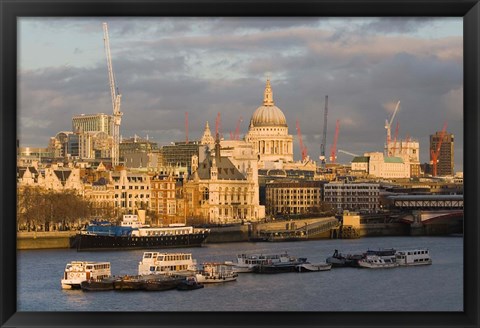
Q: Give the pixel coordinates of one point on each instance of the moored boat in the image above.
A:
(311, 267)
(377, 262)
(215, 273)
(285, 265)
(161, 283)
(167, 263)
(381, 252)
(77, 271)
(190, 283)
(98, 284)
(246, 263)
(129, 283)
(413, 257)
(131, 235)
(344, 260)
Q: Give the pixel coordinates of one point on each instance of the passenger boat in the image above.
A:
(344, 260)
(78, 271)
(285, 265)
(377, 262)
(132, 235)
(413, 257)
(247, 263)
(167, 263)
(381, 252)
(190, 283)
(310, 267)
(215, 273)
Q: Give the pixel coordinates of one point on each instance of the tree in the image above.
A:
(39, 206)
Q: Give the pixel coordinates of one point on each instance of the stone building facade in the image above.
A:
(352, 196)
(217, 192)
(293, 197)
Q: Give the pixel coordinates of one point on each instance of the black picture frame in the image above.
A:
(11, 10)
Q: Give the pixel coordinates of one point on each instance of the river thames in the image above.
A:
(436, 287)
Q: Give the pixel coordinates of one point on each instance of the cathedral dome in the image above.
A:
(268, 114)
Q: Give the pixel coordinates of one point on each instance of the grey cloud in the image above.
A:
(387, 25)
(161, 80)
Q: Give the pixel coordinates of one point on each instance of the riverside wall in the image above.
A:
(44, 240)
(238, 233)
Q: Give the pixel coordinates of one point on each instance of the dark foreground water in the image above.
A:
(437, 287)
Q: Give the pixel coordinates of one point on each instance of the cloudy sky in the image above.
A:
(165, 67)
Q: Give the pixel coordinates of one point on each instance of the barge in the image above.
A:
(106, 236)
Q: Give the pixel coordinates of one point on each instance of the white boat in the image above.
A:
(312, 267)
(413, 257)
(377, 262)
(215, 273)
(167, 263)
(78, 271)
(247, 262)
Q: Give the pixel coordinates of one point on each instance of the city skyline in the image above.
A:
(168, 66)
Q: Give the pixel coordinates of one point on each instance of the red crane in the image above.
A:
(186, 126)
(333, 151)
(236, 135)
(435, 153)
(303, 149)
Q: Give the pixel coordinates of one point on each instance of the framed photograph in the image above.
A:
(276, 90)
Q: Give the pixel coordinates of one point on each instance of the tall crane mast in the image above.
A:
(303, 149)
(324, 137)
(435, 153)
(236, 134)
(333, 151)
(116, 100)
(237, 129)
(388, 126)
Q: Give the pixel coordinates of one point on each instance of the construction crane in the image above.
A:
(348, 153)
(388, 125)
(186, 127)
(116, 100)
(333, 150)
(303, 149)
(434, 154)
(324, 137)
(235, 135)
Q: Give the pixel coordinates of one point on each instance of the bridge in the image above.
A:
(426, 202)
(438, 222)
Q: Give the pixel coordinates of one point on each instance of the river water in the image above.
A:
(436, 287)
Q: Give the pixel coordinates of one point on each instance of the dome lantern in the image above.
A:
(268, 115)
(268, 95)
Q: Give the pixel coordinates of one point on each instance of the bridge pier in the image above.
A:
(417, 228)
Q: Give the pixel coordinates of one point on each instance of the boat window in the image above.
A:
(147, 255)
(160, 258)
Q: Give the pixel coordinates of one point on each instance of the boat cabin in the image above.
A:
(160, 263)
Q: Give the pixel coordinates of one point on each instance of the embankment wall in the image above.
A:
(44, 240)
